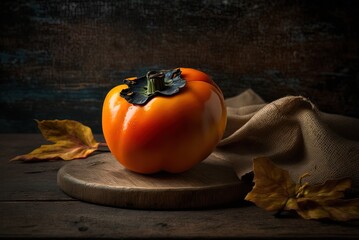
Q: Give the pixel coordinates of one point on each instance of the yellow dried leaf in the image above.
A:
(337, 209)
(326, 201)
(331, 189)
(71, 140)
(273, 186)
(274, 190)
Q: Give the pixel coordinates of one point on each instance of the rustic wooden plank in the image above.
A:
(28, 181)
(32, 207)
(82, 220)
(59, 59)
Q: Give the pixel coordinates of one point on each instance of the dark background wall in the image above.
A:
(59, 58)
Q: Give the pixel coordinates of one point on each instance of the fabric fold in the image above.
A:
(294, 134)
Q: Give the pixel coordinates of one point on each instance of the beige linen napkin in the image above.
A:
(294, 134)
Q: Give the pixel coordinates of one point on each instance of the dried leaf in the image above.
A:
(326, 201)
(338, 209)
(71, 140)
(310, 202)
(331, 189)
(273, 186)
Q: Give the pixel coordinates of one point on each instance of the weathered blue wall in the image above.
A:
(59, 58)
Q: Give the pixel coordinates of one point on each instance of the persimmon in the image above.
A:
(167, 120)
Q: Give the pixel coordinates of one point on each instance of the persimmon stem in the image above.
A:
(155, 82)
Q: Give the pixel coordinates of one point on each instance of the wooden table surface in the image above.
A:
(33, 206)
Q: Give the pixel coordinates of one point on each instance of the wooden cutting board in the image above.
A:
(103, 180)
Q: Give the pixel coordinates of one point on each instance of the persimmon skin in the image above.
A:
(168, 133)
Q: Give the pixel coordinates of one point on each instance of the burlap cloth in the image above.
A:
(294, 134)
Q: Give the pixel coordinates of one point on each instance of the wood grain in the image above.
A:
(75, 219)
(33, 207)
(21, 181)
(101, 179)
(59, 59)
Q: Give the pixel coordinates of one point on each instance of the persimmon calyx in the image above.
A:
(154, 83)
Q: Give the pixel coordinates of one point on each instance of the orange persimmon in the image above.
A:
(168, 120)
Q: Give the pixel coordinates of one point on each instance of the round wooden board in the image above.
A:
(103, 180)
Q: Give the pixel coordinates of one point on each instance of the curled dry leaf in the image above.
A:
(274, 190)
(273, 186)
(336, 209)
(71, 140)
